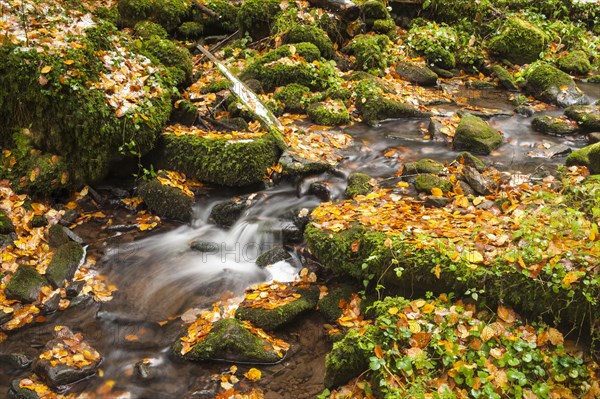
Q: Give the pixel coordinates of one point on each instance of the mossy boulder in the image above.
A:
(311, 34)
(374, 106)
(255, 17)
(219, 160)
(576, 62)
(581, 157)
(424, 165)
(358, 184)
(166, 201)
(420, 75)
(374, 9)
(191, 30)
(167, 13)
(230, 340)
(226, 213)
(64, 264)
(272, 256)
(271, 319)
(475, 135)
(338, 93)
(225, 19)
(586, 116)
(147, 29)
(370, 52)
(293, 97)
(558, 126)
(329, 306)
(466, 158)
(437, 43)
(520, 42)
(25, 284)
(293, 164)
(424, 183)
(330, 113)
(549, 84)
(6, 226)
(594, 157)
(177, 59)
(505, 78)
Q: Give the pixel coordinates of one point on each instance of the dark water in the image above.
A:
(159, 277)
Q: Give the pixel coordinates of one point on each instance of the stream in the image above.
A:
(161, 279)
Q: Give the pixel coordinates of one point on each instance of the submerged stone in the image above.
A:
(226, 213)
(473, 134)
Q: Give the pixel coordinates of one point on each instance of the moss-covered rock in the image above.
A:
(168, 13)
(581, 157)
(292, 164)
(57, 236)
(166, 201)
(475, 135)
(594, 157)
(466, 158)
(338, 93)
(6, 226)
(416, 74)
(64, 264)
(370, 52)
(329, 306)
(147, 29)
(551, 85)
(576, 62)
(311, 34)
(375, 106)
(25, 284)
(191, 30)
(271, 319)
(586, 116)
(330, 113)
(255, 17)
(226, 213)
(272, 256)
(230, 340)
(293, 97)
(437, 43)
(358, 184)
(554, 125)
(219, 160)
(424, 165)
(225, 19)
(520, 42)
(424, 183)
(505, 78)
(177, 59)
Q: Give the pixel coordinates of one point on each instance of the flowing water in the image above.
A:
(160, 278)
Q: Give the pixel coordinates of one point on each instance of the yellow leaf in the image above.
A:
(393, 310)
(378, 352)
(253, 374)
(402, 184)
(437, 192)
(571, 277)
(69, 62)
(437, 271)
(472, 256)
(46, 69)
(555, 337)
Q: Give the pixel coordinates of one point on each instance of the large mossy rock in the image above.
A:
(176, 58)
(549, 84)
(475, 135)
(64, 91)
(586, 116)
(420, 75)
(594, 157)
(374, 106)
(426, 182)
(230, 340)
(370, 52)
(166, 201)
(554, 125)
(293, 97)
(220, 160)
(311, 34)
(25, 284)
(358, 184)
(167, 13)
(329, 113)
(505, 78)
(64, 264)
(521, 42)
(255, 17)
(576, 62)
(581, 157)
(273, 318)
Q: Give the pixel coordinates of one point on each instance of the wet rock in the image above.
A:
(166, 201)
(477, 181)
(581, 157)
(272, 256)
(64, 264)
(524, 110)
(505, 78)
(56, 369)
(551, 152)
(485, 113)
(16, 360)
(329, 306)
(594, 157)
(480, 84)
(74, 288)
(436, 202)
(443, 73)
(466, 189)
(466, 158)
(435, 129)
(51, 304)
(271, 319)
(230, 340)
(549, 84)
(144, 370)
(576, 63)
(291, 233)
(57, 235)
(420, 75)
(25, 284)
(424, 165)
(320, 189)
(330, 113)
(594, 138)
(294, 165)
(520, 43)
(16, 392)
(476, 136)
(586, 116)
(70, 216)
(358, 184)
(7, 239)
(226, 213)
(425, 183)
(6, 226)
(38, 221)
(553, 125)
(204, 246)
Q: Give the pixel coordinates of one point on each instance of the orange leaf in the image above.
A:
(378, 352)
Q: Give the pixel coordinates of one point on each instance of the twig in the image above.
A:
(205, 9)
(217, 46)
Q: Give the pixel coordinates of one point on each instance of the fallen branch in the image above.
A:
(344, 8)
(205, 9)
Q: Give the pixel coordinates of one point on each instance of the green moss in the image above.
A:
(576, 62)
(426, 182)
(329, 306)
(374, 106)
(505, 78)
(256, 17)
(370, 52)
(177, 59)
(358, 184)
(147, 29)
(64, 264)
(594, 79)
(311, 34)
(424, 165)
(338, 93)
(416, 74)
(475, 135)
(230, 340)
(466, 158)
(549, 84)
(520, 42)
(167, 13)
(437, 43)
(25, 284)
(330, 113)
(594, 157)
(374, 9)
(191, 30)
(227, 16)
(216, 86)
(581, 157)
(385, 26)
(166, 201)
(271, 319)
(293, 96)
(272, 256)
(586, 116)
(553, 125)
(6, 226)
(218, 160)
